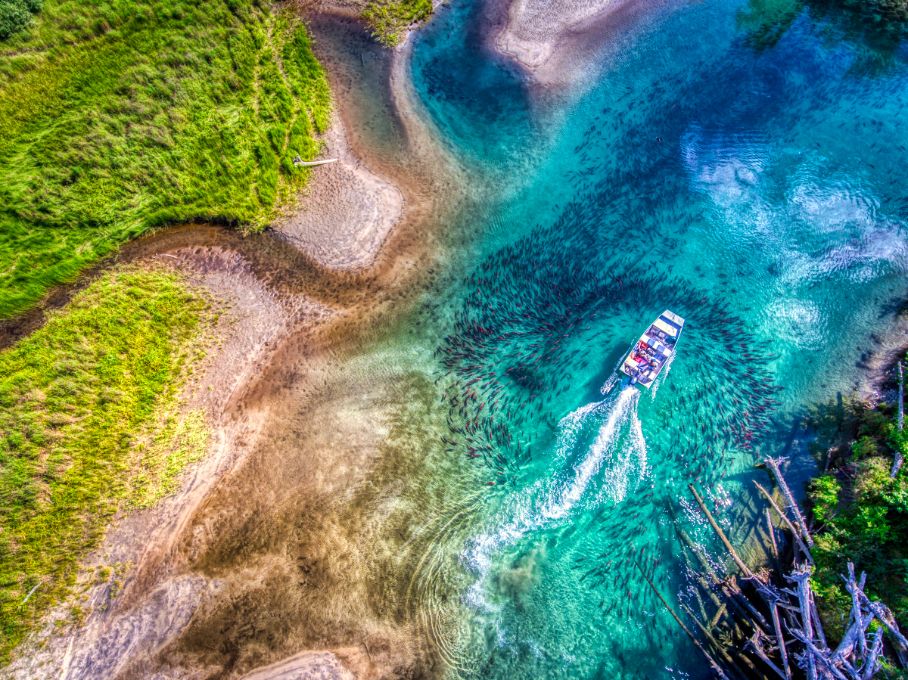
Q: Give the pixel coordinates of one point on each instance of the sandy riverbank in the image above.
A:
(557, 42)
(292, 301)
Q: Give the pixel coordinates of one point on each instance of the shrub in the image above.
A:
(16, 15)
(824, 494)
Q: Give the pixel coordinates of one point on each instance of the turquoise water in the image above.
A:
(742, 167)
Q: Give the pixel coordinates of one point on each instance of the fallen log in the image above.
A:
(300, 163)
(792, 506)
(791, 527)
(855, 591)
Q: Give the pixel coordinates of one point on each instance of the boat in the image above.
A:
(654, 350)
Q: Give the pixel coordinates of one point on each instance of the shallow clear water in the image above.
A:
(741, 166)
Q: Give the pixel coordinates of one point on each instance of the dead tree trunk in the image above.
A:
(791, 527)
(792, 506)
(716, 668)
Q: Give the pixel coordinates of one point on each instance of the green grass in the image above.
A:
(389, 19)
(117, 116)
(75, 397)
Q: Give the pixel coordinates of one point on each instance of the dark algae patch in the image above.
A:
(73, 397)
(116, 117)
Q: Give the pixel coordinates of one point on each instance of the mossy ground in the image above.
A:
(117, 116)
(76, 397)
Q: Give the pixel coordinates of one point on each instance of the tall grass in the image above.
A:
(73, 397)
(389, 19)
(121, 115)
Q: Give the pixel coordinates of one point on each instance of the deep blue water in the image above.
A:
(742, 167)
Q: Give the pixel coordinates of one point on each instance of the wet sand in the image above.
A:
(558, 43)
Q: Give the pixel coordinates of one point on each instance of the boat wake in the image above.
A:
(618, 451)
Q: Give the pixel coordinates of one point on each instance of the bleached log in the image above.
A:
(801, 578)
(792, 506)
(851, 586)
(820, 657)
(870, 665)
(791, 527)
(780, 639)
(772, 597)
(885, 616)
(848, 643)
(300, 163)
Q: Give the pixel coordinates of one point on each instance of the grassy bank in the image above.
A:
(389, 19)
(75, 398)
(860, 511)
(120, 115)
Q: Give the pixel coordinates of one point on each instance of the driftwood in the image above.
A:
(300, 163)
(787, 522)
(769, 621)
(791, 505)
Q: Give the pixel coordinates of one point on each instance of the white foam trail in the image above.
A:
(604, 445)
(570, 426)
(632, 456)
(609, 384)
(552, 499)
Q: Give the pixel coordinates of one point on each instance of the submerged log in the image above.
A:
(715, 667)
(771, 530)
(721, 534)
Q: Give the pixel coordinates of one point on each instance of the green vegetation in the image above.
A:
(175, 442)
(117, 116)
(16, 15)
(73, 395)
(861, 512)
(389, 19)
